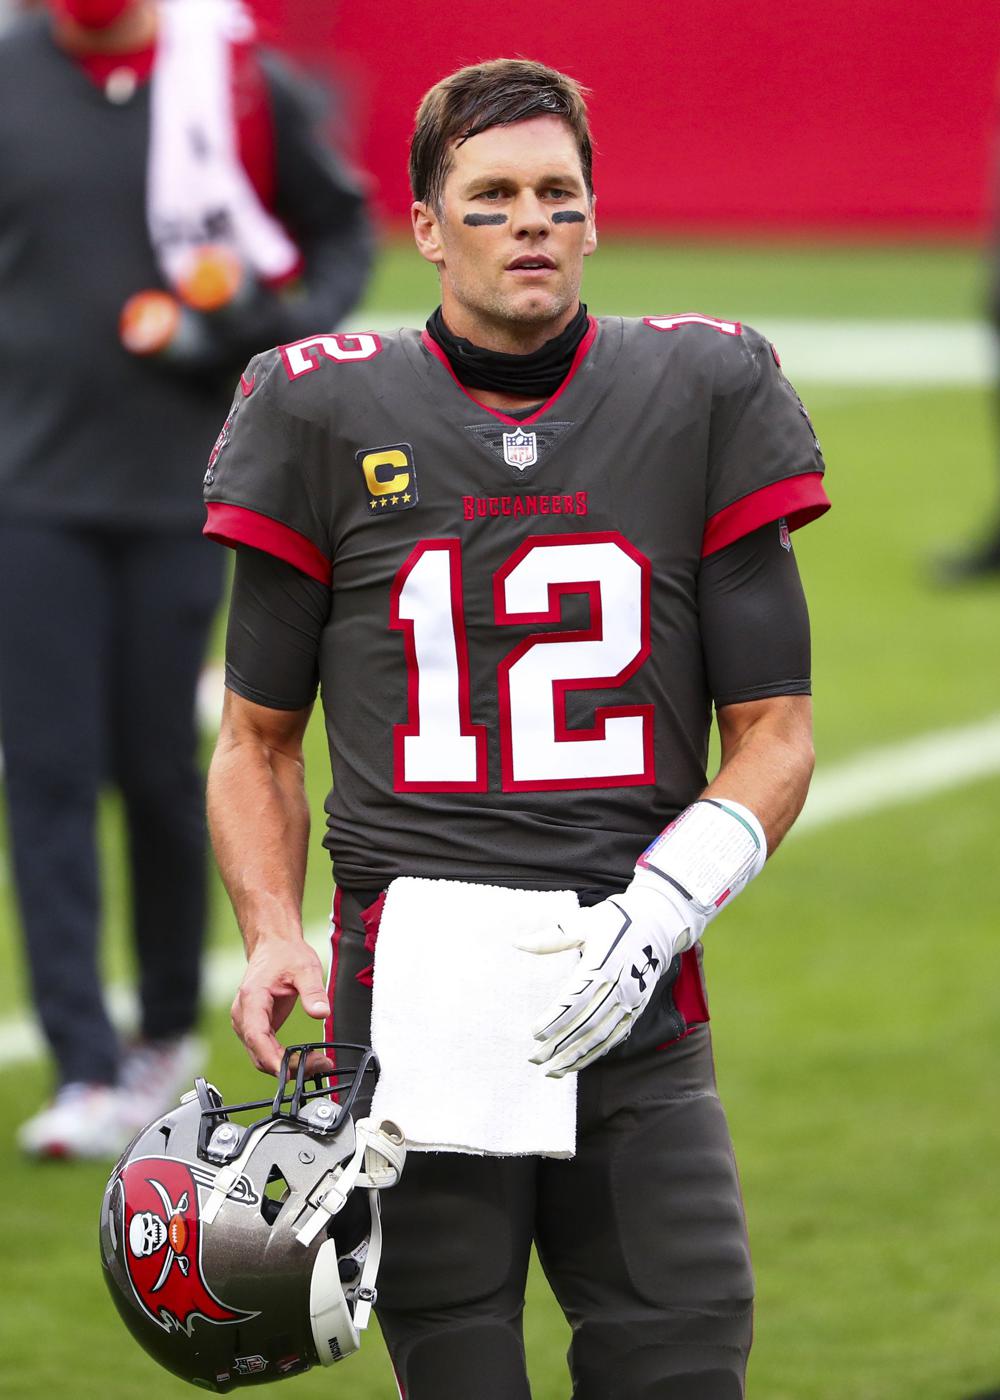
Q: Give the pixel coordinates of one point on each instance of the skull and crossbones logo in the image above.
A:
(149, 1232)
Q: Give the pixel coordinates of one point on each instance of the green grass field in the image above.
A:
(856, 1019)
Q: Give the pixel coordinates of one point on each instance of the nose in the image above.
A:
(529, 216)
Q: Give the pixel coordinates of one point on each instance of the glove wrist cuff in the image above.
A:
(705, 857)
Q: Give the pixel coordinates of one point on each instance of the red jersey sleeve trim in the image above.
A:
(797, 499)
(233, 525)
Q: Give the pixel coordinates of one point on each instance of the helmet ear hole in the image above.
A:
(275, 1194)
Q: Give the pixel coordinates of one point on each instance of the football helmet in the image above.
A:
(239, 1252)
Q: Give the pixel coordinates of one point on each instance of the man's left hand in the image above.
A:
(626, 944)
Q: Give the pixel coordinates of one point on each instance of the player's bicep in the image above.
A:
(754, 620)
(276, 619)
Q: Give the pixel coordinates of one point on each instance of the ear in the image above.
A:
(590, 238)
(427, 231)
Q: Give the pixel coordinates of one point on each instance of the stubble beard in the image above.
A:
(512, 316)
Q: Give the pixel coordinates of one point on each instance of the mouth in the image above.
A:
(532, 264)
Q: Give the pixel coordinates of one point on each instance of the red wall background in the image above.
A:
(865, 116)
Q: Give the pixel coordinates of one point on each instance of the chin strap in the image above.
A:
(227, 1177)
(340, 1315)
(385, 1154)
(366, 1294)
(376, 1163)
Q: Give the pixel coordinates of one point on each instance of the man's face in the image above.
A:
(514, 226)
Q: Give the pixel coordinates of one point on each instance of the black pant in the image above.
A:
(102, 636)
(641, 1235)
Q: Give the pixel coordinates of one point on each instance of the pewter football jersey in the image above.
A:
(511, 671)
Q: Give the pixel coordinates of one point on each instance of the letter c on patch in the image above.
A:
(386, 472)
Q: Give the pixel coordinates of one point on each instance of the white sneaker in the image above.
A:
(154, 1075)
(83, 1121)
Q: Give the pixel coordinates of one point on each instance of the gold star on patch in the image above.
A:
(395, 500)
(373, 504)
(407, 498)
(383, 503)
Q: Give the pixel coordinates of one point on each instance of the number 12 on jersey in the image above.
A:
(440, 749)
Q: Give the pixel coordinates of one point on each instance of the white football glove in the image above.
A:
(627, 942)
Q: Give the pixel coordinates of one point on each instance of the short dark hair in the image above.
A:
(497, 93)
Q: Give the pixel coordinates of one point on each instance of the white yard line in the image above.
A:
(903, 772)
(211, 688)
(885, 777)
(869, 354)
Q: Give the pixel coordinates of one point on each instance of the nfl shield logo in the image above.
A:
(520, 449)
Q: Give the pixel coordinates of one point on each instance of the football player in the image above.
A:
(423, 522)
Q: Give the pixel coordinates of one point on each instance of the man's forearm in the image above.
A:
(767, 763)
(259, 821)
(703, 859)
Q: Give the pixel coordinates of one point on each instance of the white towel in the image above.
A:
(453, 1004)
(197, 190)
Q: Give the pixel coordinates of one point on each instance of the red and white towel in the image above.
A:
(198, 191)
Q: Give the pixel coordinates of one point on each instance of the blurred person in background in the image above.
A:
(166, 209)
(981, 557)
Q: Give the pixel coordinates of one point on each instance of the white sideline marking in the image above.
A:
(861, 353)
(885, 777)
(211, 688)
(902, 772)
(870, 354)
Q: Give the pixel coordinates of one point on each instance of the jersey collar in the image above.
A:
(581, 352)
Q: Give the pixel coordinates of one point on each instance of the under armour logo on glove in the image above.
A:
(639, 930)
(651, 965)
(703, 858)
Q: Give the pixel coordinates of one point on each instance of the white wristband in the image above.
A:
(708, 854)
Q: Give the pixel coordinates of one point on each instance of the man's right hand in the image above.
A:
(279, 973)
